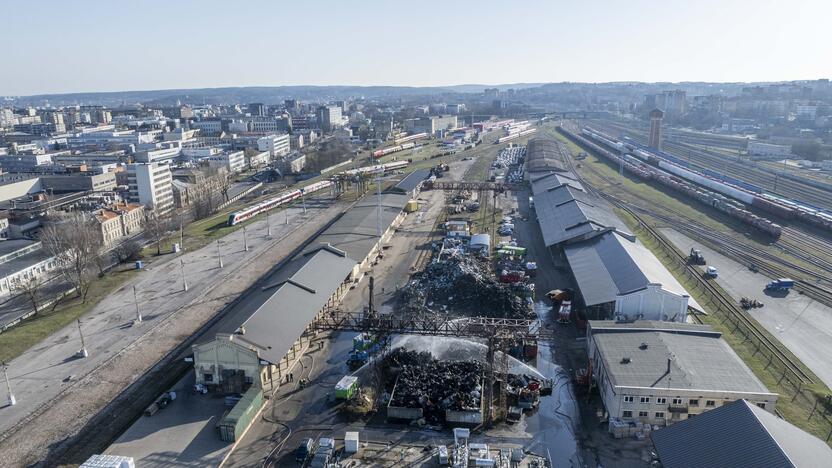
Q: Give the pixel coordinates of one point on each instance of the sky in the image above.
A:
(63, 46)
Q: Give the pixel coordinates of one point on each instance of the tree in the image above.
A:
(128, 250)
(157, 226)
(223, 181)
(74, 241)
(30, 287)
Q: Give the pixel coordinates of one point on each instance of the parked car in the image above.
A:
(303, 450)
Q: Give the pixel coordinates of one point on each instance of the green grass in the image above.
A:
(32, 331)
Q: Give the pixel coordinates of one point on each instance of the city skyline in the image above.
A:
(155, 46)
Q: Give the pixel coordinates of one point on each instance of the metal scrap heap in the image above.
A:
(465, 284)
(421, 381)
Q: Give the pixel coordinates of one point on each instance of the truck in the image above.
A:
(780, 284)
(346, 387)
(695, 257)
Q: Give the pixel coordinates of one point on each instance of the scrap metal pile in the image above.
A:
(421, 381)
(465, 284)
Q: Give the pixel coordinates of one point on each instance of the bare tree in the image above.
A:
(201, 198)
(30, 287)
(74, 241)
(127, 250)
(223, 184)
(157, 226)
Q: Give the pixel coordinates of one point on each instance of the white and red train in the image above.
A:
(514, 136)
(272, 203)
(748, 194)
(675, 180)
(393, 149)
(377, 169)
(405, 139)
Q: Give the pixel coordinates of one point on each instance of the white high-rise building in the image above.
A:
(276, 145)
(151, 185)
(232, 161)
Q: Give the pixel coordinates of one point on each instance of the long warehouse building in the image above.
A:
(617, 277)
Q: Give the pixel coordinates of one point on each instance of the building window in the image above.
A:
(249, 380)
(762, 405)
(208, 377)
(628, 399)
(642, 414)
(645, 399)
(627, 414)
(710, 403)
(659, 414)
(677, 401)
(661, 400)
(694, 403)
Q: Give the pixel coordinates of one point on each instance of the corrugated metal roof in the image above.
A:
(412, 180)
(699, 358)
(276, 324)
(610, 264)
(738, 434)
(565, 213)
(543, 154)
(550, 180)
(356, 232)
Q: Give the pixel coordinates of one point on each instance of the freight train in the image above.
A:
(609, 149)
(728, 186)
(272, 203)
(393, 149)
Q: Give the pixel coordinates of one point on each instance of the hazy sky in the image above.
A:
(73, 46)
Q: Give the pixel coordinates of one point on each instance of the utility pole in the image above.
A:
(83, 351)
(378, 206)
(184, 281)
(136, 301)
(287, 215)
(181, 235)
(245, 240)
(219, 253)
(268, 225)
(11, 401)
(303, 201)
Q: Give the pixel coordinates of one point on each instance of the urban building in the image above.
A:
(329, 118)
(118, 221)
(430, 125)
(276, 145)
(654, 138)
(258, 350)
(257, 109)
(660, 373)
(150, 185)
(79, 182)
(758, 148)
(22, 260)
(234, 161)
(257, 159)
(292, 163)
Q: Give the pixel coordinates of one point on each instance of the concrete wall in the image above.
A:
(652, 303)
(20, 188)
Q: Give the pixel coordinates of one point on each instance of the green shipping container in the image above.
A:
(345, 388)
(233, 424)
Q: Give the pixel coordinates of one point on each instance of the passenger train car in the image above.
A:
(272, 203)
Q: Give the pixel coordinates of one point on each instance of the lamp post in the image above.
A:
(11, 401)
(219, 253)
(136, 301)
(184, 281)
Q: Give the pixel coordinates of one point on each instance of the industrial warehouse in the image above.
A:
(617, 277)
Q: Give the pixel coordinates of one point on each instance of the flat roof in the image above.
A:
(23, 262)
(412, 180)
(637, 355)
(13, 245)
(738, 434)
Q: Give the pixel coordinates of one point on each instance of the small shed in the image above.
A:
(480, 242)
(345, 388)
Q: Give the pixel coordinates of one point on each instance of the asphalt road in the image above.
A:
(799, 322)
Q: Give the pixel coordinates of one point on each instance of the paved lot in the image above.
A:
(801, 323)
(183, 434)
(48, 377)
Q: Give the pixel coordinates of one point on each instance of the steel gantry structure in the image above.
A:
(499, 333)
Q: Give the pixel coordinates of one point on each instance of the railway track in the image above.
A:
(763, 177)
(725, 304)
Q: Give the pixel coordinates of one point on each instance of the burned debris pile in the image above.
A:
(466, 285)
(417, 380)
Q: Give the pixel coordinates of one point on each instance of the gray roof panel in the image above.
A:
(543, 154)
(610, 264)
(738, 434)
(699, 358)
(412, 180)
(566, 213)
(276, 324)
